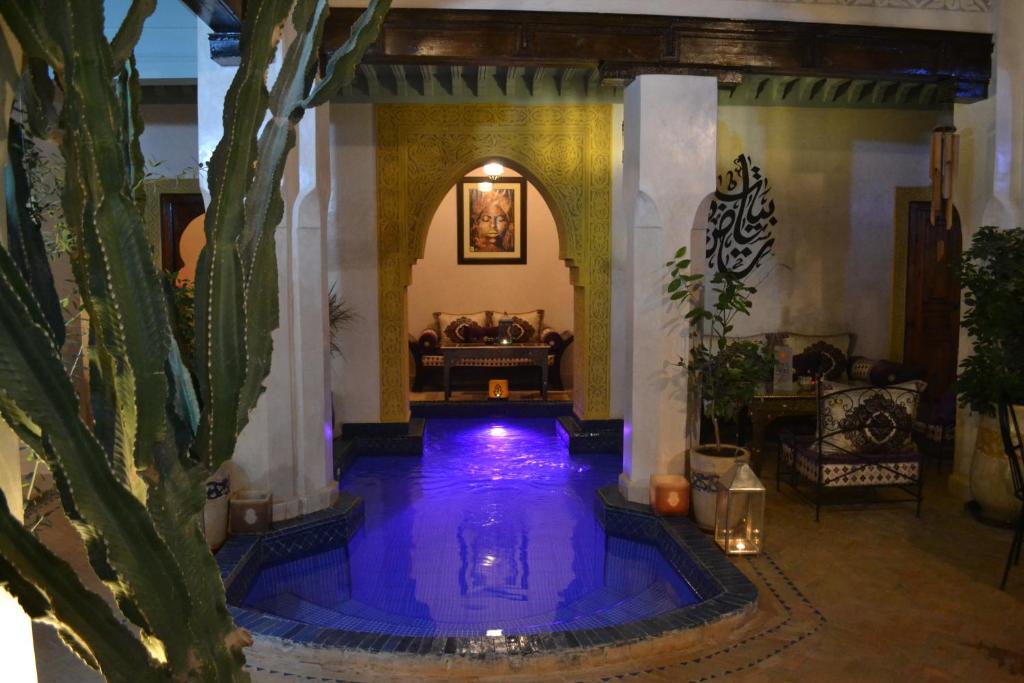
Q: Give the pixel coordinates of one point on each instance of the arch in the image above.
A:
(565, 151)
(422, 224)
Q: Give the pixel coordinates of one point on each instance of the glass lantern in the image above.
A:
(739, 511)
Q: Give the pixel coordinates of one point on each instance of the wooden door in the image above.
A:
(176, 212)
(933, 299)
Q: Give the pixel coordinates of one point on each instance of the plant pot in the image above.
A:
(215, 512)
(706, 468)
(991, 486)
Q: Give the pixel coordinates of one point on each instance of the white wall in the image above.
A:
(439, 283)
(170, 139)
(352, 261)
(952, 15)
(833, 174)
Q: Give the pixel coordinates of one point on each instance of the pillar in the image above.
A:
(669, 164)
(286, 447)
(991, 184)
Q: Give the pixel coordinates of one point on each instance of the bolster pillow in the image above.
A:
(550, 337)
(428, 339)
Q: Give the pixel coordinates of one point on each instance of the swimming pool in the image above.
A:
(491, 532)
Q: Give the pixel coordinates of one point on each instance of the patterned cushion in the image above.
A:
(821, 358)
(860, 368)
(870, 420)
(874, 470)
(453, 326)
(800, 342)
(526, 326)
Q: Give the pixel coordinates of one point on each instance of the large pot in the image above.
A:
(991, 486)
(706, 467)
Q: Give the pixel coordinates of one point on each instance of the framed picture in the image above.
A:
(492, 225)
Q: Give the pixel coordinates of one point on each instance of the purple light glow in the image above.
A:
(497, 431)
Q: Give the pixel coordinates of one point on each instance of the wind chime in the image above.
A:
(945, 156)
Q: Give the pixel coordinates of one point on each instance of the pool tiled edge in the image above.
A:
(725, 591)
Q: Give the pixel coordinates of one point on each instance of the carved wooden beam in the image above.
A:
(624, 46)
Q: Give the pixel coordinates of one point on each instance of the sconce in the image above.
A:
(493, 171)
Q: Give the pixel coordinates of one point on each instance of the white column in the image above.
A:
(286, 447)
(991, 188)
(352, 261)
(668, 171)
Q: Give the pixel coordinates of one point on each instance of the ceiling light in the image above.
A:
(493, 170)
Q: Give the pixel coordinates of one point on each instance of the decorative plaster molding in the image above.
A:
(565, 151)
(936, 5)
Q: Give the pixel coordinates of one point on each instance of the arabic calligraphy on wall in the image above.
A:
(741, 217)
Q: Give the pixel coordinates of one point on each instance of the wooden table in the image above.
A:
(766, 408)
(466, 354)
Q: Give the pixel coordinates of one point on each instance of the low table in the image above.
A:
(766, 408)
(483, 354)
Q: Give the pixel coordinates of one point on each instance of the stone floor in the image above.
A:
(864, 595)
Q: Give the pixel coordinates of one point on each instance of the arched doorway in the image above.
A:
(524, 277)
(422, 150)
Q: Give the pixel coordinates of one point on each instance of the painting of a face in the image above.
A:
(491, 223)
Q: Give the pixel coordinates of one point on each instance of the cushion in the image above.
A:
(860, 368)
(800, 342)
(550, 337)
(428, 339)
(870, 420)
(821, 358)
(453, 326)
(882, 469)
(526, 326)
(885, 373)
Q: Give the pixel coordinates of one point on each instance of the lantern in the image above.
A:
(739, 512)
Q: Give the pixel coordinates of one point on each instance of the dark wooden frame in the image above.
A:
(623, 46)
(465, 185)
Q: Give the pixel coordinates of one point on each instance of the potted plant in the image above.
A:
(992, 276)
(728, 372)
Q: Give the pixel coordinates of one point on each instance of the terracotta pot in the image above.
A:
(215, 512)
(706, 468)
(991, 486)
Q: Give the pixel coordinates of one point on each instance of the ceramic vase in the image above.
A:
(991, 486)
(706, 469)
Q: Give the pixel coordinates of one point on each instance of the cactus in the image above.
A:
(131, 478)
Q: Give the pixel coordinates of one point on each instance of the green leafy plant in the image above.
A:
(992, 276)
(339, 315)
(728, 372)
(130, 478)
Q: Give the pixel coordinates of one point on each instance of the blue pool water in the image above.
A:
(494, 528)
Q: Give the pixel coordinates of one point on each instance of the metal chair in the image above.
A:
(1013, 444)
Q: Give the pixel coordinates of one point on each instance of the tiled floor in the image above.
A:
(897, 599)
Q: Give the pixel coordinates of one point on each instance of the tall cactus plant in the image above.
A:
(131, 478)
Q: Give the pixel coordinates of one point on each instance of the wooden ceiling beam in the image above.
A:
(624, 46)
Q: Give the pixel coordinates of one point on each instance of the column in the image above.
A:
(669, 165)
(286, 447)
(990, 190)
